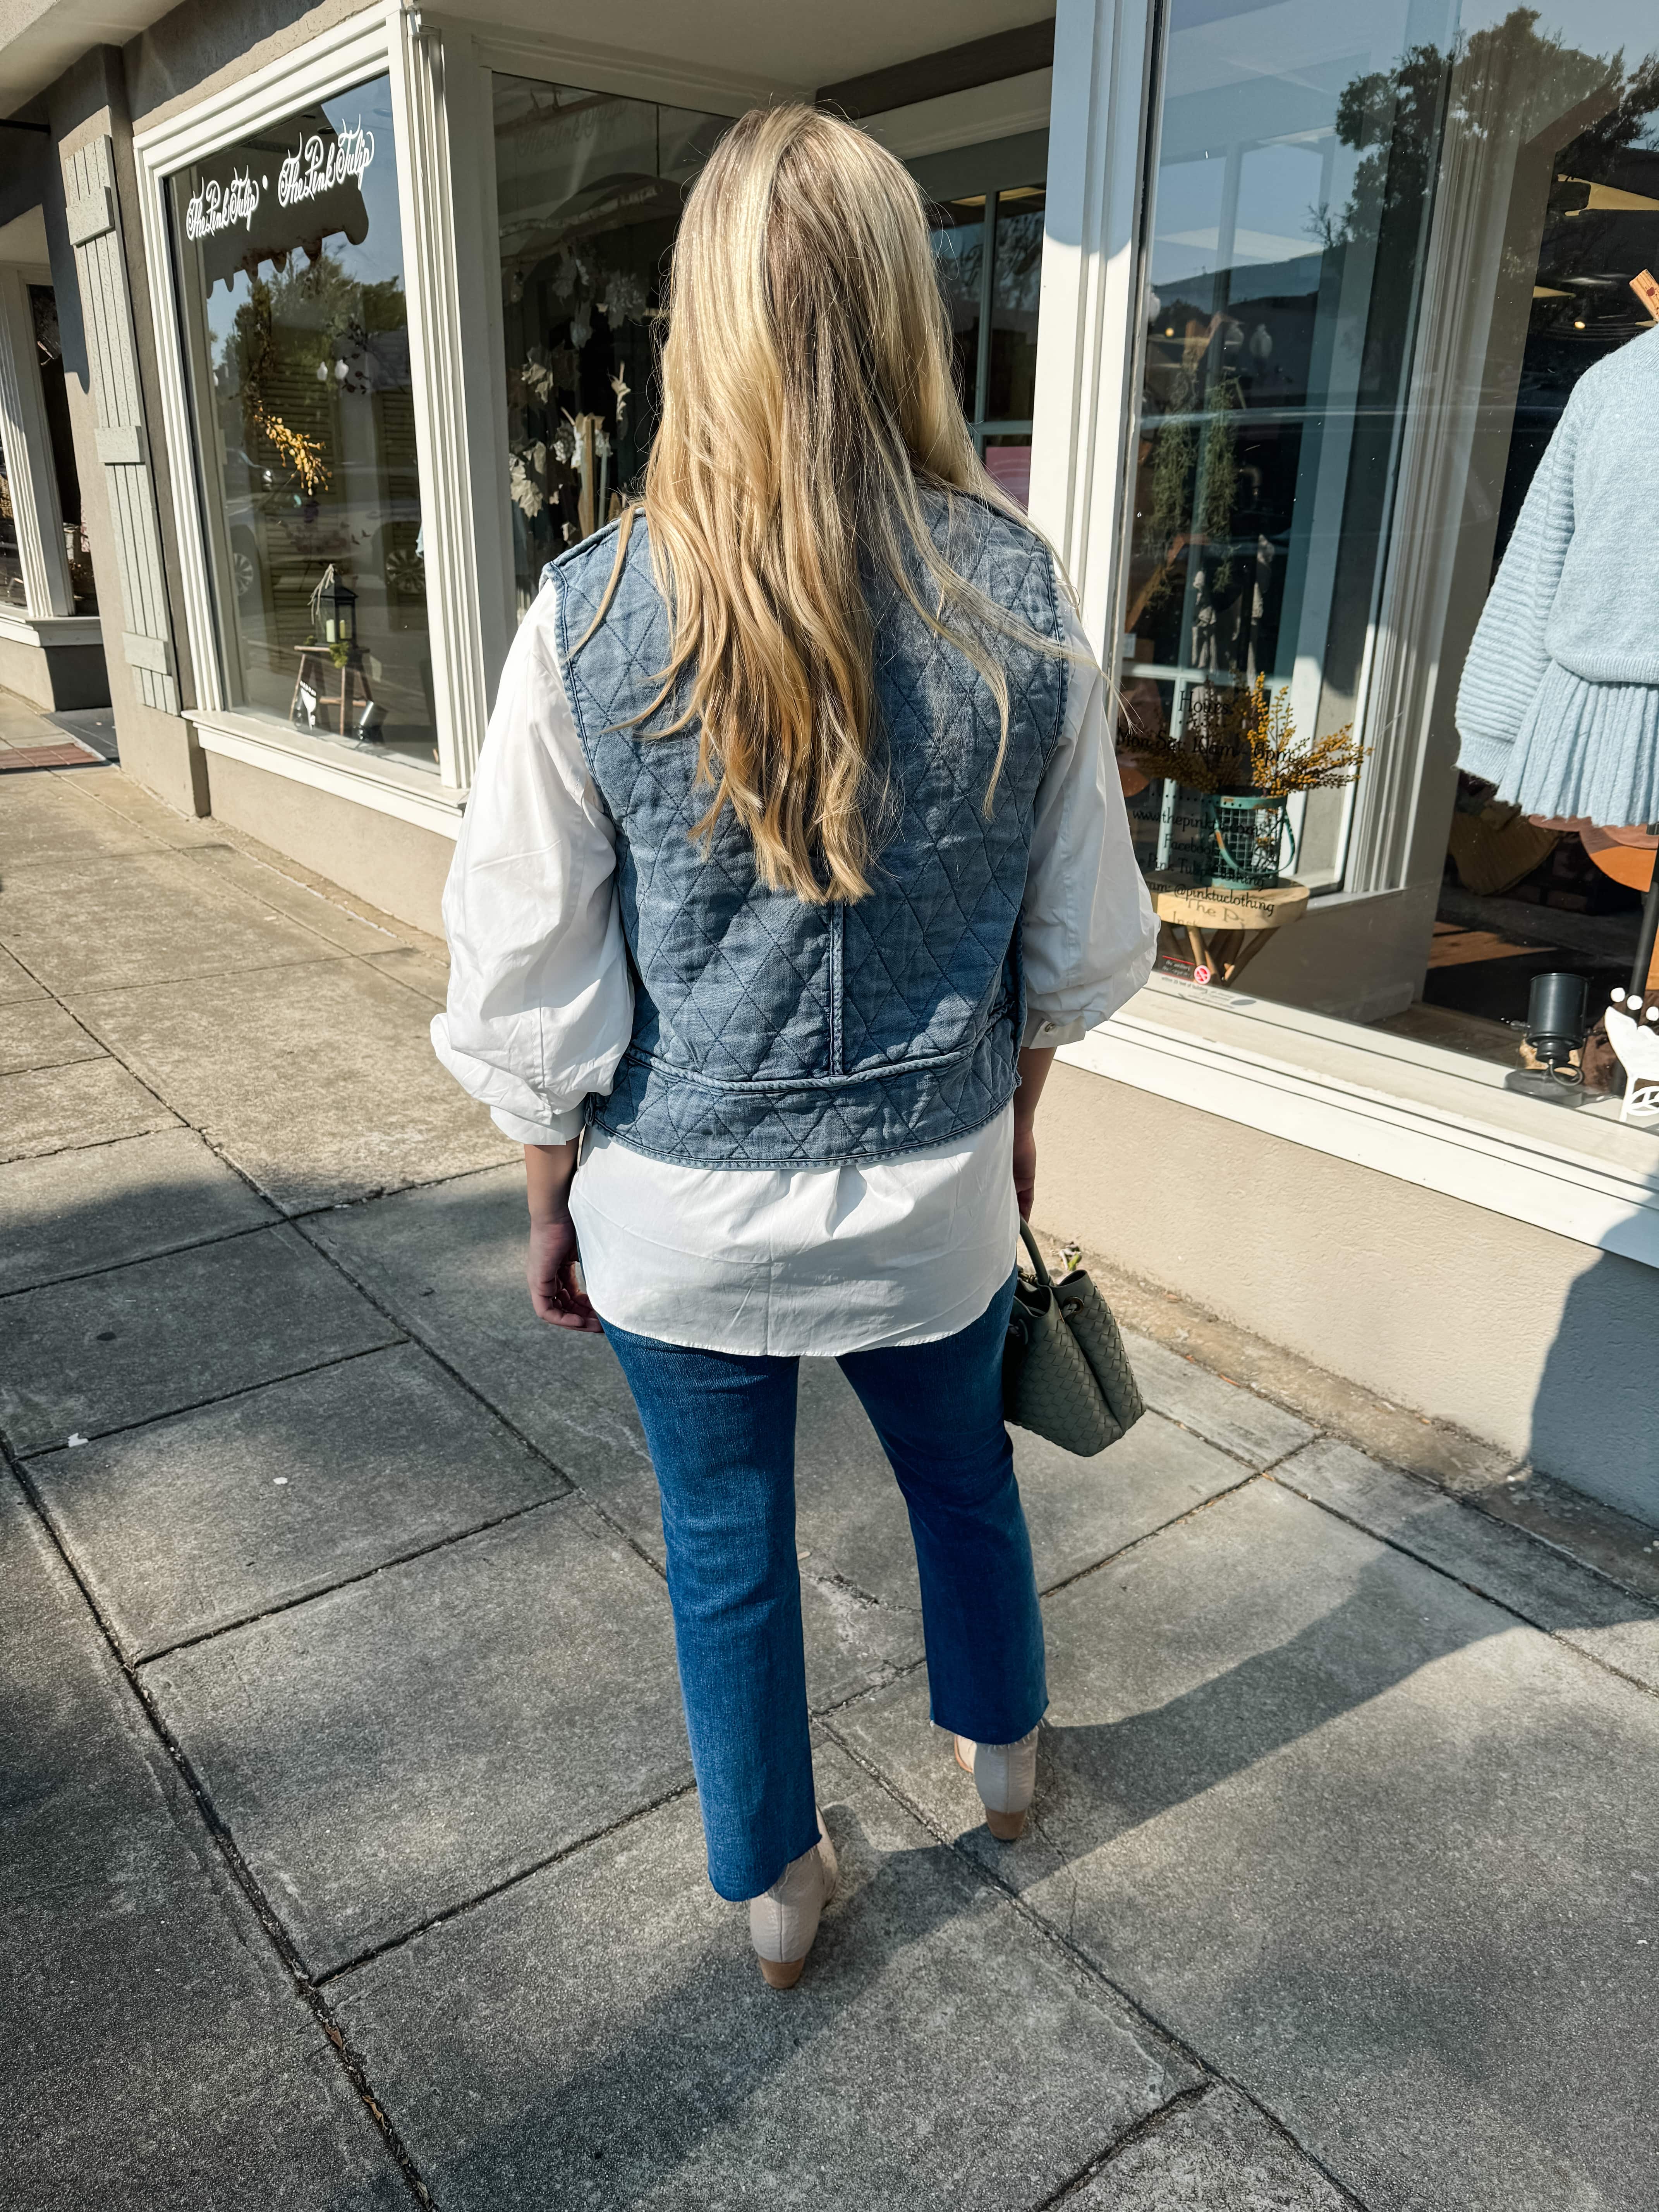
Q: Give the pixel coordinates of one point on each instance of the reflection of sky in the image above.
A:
(1266, 78)
(1267, 74)
(381, 254)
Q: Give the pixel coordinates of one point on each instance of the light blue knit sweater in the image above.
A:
(1560, 702)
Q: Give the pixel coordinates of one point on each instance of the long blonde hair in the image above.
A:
(807, 402)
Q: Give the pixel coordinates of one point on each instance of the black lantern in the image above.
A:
(1554, 1028)
(334, 610)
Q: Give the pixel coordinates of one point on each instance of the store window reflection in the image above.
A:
(290, 258)
(49, 352)
(589, 192)
(1385, 238)
(988, 248)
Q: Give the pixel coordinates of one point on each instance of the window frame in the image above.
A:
(1404, 1109)
(382, 43)
(48, 616)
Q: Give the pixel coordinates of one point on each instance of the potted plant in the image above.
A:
(1238, 749)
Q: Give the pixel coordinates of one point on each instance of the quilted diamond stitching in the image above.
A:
(736, 979)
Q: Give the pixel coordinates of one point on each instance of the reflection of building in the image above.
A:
(1316, 280)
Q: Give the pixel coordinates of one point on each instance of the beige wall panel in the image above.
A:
(391, 864)
(1542, 1345)
(24, 670)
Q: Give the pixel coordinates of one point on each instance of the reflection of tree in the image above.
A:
(1394, 116)
(291, 339)
(1193, 481)
(1500, 82)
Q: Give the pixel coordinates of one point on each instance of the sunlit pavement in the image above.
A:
(350, 1850)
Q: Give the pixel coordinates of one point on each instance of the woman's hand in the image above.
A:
(551, 1267)
(1034, 1065)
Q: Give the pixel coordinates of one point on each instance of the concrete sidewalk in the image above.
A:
(350, 1850)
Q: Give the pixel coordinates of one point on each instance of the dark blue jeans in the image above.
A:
(721, 1430)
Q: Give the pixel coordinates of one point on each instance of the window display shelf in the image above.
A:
(1394, 1105)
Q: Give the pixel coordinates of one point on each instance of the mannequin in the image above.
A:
(1559, 704)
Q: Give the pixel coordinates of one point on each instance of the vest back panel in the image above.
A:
(768, 1032)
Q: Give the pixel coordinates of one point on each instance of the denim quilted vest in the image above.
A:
(771, 1033)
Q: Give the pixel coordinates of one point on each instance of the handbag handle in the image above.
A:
(1044, 1281)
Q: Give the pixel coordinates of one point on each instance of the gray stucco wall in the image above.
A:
(1539, 1344)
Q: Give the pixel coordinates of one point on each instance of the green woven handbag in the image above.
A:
(1065, 1373)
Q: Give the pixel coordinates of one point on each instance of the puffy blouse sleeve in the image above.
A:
(541, 1003)
(1088, 935)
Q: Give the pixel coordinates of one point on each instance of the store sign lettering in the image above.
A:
(320, 164)
(213, 207)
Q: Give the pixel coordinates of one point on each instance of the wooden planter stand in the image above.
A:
(1224, 930)
(341, 692)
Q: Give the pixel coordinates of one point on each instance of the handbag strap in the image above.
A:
(1031, 1243)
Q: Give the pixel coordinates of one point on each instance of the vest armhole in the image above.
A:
(571, 692)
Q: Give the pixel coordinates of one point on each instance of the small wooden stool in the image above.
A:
(320, 675)
(1224, 929)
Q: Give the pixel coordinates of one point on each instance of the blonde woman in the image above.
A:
(794, 851)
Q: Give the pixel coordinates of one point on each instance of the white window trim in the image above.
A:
(383, 40)
(631, 75)
(1438, 1118)
(473, 53)
(49, 630)
(387, 784)
(50, 603)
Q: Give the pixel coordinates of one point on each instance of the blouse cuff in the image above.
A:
(559, 1128)
(1041, 1031)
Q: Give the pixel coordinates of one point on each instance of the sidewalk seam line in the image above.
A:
(200, 1405)
(348, 1582)
(1082, 1962)
(513, 1881)
(412, 1332)
(1475, 1590)
(234, 1863)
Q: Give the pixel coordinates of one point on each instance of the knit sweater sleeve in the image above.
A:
(1507, 659)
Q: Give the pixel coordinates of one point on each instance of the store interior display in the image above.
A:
(49, 356)
(1313, 223)
(988, 219)
(589, 189)
(1218, 868)
(290, 258)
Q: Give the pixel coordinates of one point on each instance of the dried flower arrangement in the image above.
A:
(1242, 739)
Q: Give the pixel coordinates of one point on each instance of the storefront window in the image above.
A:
(1384, 241)
(291, 275)
(12, 591)
(589, 194)
(987, 246)
(49, 351)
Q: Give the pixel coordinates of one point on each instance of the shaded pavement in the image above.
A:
(351, 1857)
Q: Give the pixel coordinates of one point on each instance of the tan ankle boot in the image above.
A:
(1005, 1774)
(783, 1921)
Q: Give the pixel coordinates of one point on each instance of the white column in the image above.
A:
(446, 275)
(1089, 336)
(27, 440)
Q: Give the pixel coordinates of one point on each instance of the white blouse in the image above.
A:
(781, 1260)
